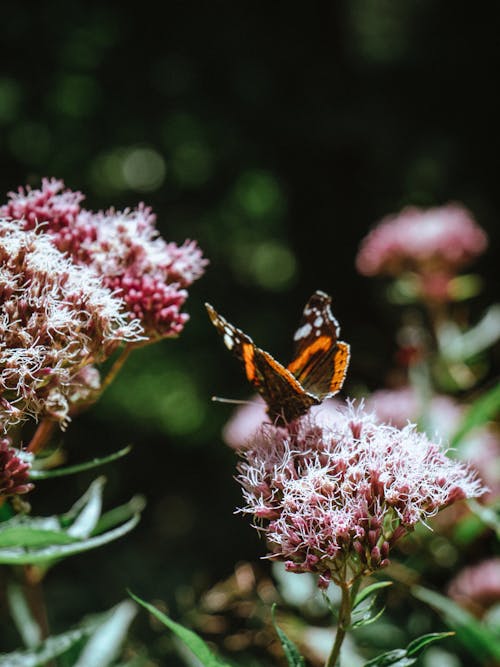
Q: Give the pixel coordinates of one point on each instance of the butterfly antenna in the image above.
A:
(235, 401)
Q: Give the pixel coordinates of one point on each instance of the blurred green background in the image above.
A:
(276, 134)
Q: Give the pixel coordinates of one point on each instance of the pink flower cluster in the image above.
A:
(433, 240)
(14, 472)
(122, 247)
(337, 493)
(56, 319)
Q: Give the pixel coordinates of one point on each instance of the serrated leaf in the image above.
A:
(481, 411)
(105, 643)
(369, 590)
(420, 643)
(290, 650)
(387, 658)
(478, 638)
(45, 555)
(193, 641)
(72, 470)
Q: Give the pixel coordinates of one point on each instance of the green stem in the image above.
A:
(343, 625)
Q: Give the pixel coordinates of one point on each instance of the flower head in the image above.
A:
(14, 472)
(434, 241)
(55, 319)
(341, 491)
(123, 247)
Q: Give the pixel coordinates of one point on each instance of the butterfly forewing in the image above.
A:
(285, 398)
(317, 371)
(320, 360)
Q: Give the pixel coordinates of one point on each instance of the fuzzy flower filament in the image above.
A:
(56, 318)
(333, 496)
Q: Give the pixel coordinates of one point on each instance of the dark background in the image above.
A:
(276, 134)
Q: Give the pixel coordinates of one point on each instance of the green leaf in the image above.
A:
(70, 641)
(21, 556)
(193, 641)
(368, 618)
(417, 645)
(95, 489)
(387, 658)
(478, 638)
(72, 470)
(21, 614)
(43, 540)
(51, 648)
(105, 643)
(483, 410)
(89, 513)
(488, 514)
(368, 591)
(28, 536)
(119, 514)
(290, 650)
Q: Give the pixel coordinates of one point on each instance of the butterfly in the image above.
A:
(318, 368)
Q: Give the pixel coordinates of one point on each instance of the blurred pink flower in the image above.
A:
(403, 405)
(341, 491)
(55, 319)
(441, 417)
(123, 247)
(14, 472)
(248, 418)
(434, 242)
(244, 422)
(477, 587)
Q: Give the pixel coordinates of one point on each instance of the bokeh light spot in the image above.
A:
(274, 265)
(269, 264)
(144, 169)
(259, 194)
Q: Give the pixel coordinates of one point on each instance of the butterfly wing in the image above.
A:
(283, 393)
(320, 360)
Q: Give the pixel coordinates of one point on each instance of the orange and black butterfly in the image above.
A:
(318, 368)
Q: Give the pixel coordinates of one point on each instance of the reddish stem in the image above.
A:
(42, 435)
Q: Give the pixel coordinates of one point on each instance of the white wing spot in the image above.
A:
(318, 322)
(303, 331)
(228, 341)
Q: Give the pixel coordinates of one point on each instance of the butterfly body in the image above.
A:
(316, 372)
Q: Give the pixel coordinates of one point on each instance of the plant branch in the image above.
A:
(42, 435)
